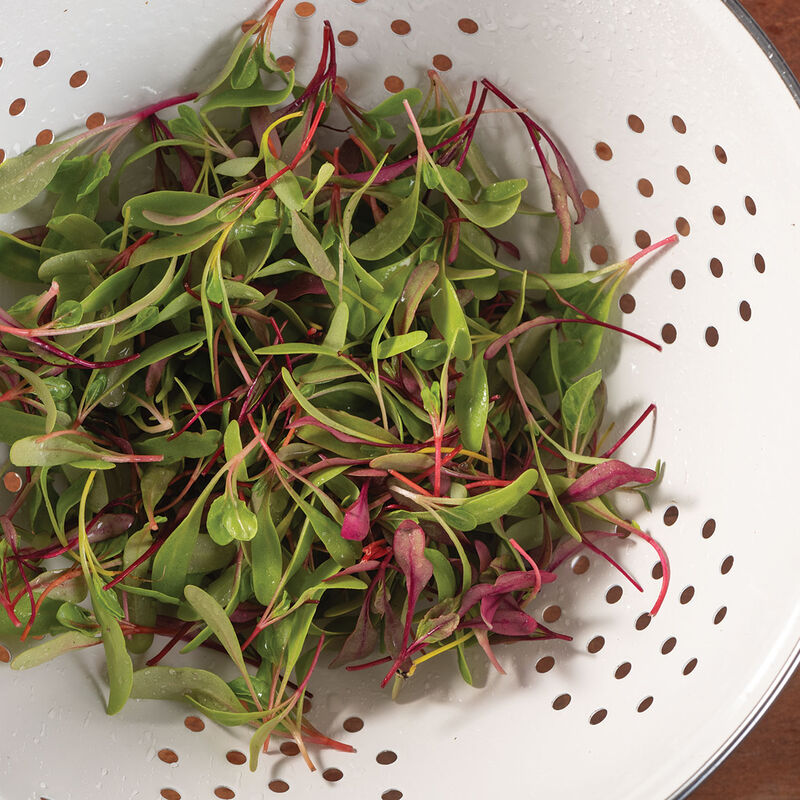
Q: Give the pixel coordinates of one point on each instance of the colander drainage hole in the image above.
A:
(580, 565)
(668, 333)
(726, 565)
(386, 757)
(758, 261)
(596, 644)
(561, 702)
(689, 667)
(677, 279)
(686, 595)
(721, 155)
(304, 9)
(720, 615)
(604, 151)
(614, 594)
(598, 716)
(236, 757)
(551, 613)
(393, 83)
(745, 312)
(627, 303)
(623, 670)
(709, 526)
(168, 756)
(671, 515)
(77, 79)
(545, 664)
(635, 123)
(194, 724)
(590, 198)
(598, 254)
(719, 215)
(715, 265)
(645, 704)
(643, 621)
(224, 793)
(5, 656)
(170, 794)
(392, 794)
(642, 239)
(750, 205)
(289, 748)
(353, 724)
(400, 27)
(669, 645)
(658, 571)
(678, 124)
(279, 787)
(332, 774)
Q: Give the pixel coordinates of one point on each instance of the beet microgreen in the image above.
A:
(297, 406)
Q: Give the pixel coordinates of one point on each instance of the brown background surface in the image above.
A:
(766, 766)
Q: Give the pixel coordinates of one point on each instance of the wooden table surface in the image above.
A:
(766, 766)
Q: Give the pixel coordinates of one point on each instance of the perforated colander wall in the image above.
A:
(662, 107)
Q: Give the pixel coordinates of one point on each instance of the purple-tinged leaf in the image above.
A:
(361, 642)
(483, 640)
(473, 595)
(510, 620)
(366, 472)
(362, 566)
(409, 553)
(392, 627)
(107, 526)
(498, 344)
(340, 435)
(419, 281)
(604, 477)
(300, 286)
(355, 525)
(484, 556)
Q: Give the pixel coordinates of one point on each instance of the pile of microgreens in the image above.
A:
(290, 400)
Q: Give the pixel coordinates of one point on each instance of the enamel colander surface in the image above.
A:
(676, 121)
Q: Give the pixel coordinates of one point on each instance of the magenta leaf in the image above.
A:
(510, 620)
(355, 525)
(603, 478)
(362, 566)
(409, 553)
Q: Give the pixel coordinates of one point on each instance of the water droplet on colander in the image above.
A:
(104, 772)
(518, 21)
(52, 713)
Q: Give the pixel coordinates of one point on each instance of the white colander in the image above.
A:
(675, 119)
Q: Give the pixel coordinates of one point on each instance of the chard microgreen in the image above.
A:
(294, 404)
